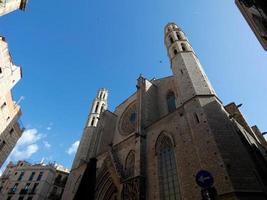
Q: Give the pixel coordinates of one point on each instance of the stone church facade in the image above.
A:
(154, 143)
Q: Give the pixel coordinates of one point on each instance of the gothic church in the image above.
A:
(154, 143)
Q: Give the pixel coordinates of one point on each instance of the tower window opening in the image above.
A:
(175, 52)
(171, 39)
(184, 47)
(178, 36)
(96, 108)
(93, 121)
(171, 102)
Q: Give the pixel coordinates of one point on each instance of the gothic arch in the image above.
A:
(161, 136)
(105, 187)
(129, 164)
(166, 168)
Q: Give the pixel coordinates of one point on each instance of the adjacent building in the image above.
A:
(10, 112)
(7, 6)
(255, 13)
(25, 181)
(158, 139)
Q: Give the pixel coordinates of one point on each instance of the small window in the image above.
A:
(171, 39)
(171, 101)
(26, 188)
(175, 52)
(184, 47)
(96, 108)
(3, 105)
(0, 70)
(11, 131)
(34, 188)
(14, 188)
(32, 175)
(93, 122)
(40, 176)
(21, 176)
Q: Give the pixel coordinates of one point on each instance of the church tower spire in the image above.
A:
(99, 105)
(191, 79)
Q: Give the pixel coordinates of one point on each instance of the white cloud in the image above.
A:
(47, 145)
(26, 145)
(21, 154)
(29, 136)
(73, 148)
(48, 128)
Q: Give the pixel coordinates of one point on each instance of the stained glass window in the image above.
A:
(167, 172)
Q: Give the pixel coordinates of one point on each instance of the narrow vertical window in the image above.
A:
(184, 47)
(32, 175)
(171, 101)
(21, 176)
(96, 108)
(93, 122)
(34, 188)
(40, 176)
(14, 188)
(175, 52)
(167, 172)
(178, 36)
(129, 165)
(171, 39)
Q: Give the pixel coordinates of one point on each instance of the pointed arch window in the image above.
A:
(178, 36)
(129, 165)
(171, 39)
(171, 101)
(184, 47)
(167, 172)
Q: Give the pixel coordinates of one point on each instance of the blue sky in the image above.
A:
(69, 49)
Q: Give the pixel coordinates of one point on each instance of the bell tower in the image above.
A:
(191, 80)
(99, 105)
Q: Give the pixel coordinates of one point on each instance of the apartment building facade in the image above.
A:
(10, 112)
(25, 181)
